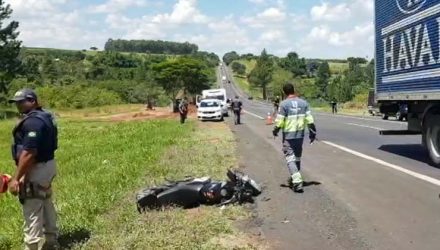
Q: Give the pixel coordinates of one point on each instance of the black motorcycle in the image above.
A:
(192, 192)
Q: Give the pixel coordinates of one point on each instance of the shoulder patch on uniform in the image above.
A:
(32, 134)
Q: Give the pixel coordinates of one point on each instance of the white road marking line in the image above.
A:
(359, 118)
(386, 164)
(259, 117)
(364, 126)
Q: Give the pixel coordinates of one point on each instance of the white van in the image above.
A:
(218, 94)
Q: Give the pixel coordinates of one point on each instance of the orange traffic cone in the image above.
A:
(269, 120)
(4, 179)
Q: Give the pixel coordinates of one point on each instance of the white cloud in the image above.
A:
(266, 18)
(184, 11)
(53, 23)
(113, 6)
(324, 34)
(272, 36)
(326, 12)
(257, 1)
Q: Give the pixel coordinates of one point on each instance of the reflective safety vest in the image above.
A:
(293, 117)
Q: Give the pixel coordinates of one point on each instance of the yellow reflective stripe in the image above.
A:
(309, 119)
(280, 121)
(293, 125)
(297, 178)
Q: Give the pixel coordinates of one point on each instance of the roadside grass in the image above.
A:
(244, 85)
(101, 165)
(342, 110)
(250, 64)
(208, 152)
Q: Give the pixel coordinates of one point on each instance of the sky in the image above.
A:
(312, 28)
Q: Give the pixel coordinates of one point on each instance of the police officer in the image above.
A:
(293, 117)
(236, 108)
(183, 110)
(35, 142)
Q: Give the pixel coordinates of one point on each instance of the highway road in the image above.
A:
(366, 191)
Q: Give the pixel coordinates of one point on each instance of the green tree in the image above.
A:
(369, 74)
(261, 75)
(238, 68)
(10, 65)
(279, 78)
(50, 70)
(322, 79)
(294, 64)
(353, 61)
(229, 57)
(183, 73)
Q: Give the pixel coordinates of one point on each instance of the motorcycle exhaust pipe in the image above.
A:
(4, 180)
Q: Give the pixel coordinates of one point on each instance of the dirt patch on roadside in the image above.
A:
(157, 113)
(239, 241)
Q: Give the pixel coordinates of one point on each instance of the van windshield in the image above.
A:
(209, 104)
(218, 97)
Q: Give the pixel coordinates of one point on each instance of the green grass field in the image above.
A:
(337, 68)
(101, 165)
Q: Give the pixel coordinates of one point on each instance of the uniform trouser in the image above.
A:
(237, 116)
(183, 117)
(293, 151)
(39, 213)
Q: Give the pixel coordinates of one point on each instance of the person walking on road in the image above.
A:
(183, 110)
(236, 108)
(35, 143)
(293, 117)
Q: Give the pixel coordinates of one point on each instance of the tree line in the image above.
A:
(150, 46)
(313, 78)
(77, 79)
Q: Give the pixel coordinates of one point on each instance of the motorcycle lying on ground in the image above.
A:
(192, 192)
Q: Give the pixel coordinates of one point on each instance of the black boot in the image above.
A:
(298, 187)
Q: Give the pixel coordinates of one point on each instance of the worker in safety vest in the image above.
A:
(293, 117)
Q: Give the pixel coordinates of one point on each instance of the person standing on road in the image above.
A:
(334, 107)
(35, 143)
(276, 104)
(236, 108)
(183, 110)
(293, 117)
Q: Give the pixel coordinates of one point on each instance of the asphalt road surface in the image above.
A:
(364, 191)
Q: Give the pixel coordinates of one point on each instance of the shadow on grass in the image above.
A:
(68, 240)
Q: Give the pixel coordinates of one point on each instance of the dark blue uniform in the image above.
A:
(36, 131)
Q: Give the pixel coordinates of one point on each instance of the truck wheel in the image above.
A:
(433, 138)
(384, 117)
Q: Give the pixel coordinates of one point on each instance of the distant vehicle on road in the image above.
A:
(210, 109)
(218, 94)
(408, 69)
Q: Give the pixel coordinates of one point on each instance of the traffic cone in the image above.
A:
(269, 120)
(4, 180)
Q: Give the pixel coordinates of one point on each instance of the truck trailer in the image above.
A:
(407, 53)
